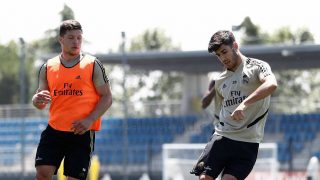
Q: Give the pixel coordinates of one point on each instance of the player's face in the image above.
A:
(71, 42)
(228, 57)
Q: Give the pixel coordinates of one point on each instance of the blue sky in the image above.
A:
(189, 23)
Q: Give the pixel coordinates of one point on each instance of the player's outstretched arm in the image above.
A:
(207, 98)
(104, 103)
(81, 126)
(268, 86)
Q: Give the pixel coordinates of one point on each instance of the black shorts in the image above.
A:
(75, 149)
(228, 156)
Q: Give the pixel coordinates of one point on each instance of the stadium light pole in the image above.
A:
(22, 71)
(125, 106)
(22, 102)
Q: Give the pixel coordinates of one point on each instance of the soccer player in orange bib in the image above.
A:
(77, 89)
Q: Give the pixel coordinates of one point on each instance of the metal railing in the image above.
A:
(159, 108)
(140, 109)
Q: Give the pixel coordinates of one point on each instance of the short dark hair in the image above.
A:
(69, 25)
(219, 38)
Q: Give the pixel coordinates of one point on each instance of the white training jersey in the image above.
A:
(231, 89)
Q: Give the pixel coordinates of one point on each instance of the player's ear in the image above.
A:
(60, 39)
(235, 46)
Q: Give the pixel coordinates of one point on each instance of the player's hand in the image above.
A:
(41, 98)
(81, 126)
(238, 113)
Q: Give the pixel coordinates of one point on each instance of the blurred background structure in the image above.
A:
(157, 88)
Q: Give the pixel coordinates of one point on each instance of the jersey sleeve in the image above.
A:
(99, 74)
(42, 78)
(263, 70)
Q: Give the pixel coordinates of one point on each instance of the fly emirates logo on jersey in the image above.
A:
(234, 99)
(68, 91)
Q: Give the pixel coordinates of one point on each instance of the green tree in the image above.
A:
(286, 35)
(293, 84)
(282, 35)
(10, 72)
(50, 44)
(152, 40)
(304, 36)
(162, 86)
(152, 85)
(66, 13)
(252, 34)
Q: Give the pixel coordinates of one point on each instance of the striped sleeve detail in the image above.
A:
(44, 65)
(105, 77)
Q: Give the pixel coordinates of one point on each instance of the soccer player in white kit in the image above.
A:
(241, 94)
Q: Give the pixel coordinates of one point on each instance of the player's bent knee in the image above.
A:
(71, 178)
(228, 177)
(205, 177)
(42, 176)
(44, 172)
